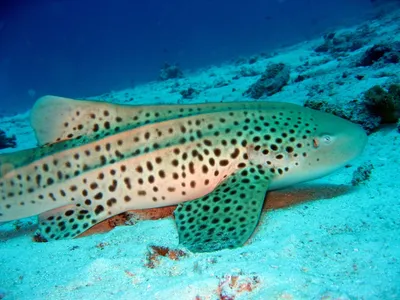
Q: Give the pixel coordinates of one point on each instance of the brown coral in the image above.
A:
(231, 286)
(156, 252)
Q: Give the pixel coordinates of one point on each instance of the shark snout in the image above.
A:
(355, 142)
(336, 143)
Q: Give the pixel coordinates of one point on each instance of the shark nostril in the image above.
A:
(315, 143)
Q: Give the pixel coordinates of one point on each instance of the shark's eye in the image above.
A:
(327, 139)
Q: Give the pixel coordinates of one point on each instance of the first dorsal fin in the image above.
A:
(55, 119)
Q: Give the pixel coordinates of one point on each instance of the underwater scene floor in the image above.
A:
(333, 238)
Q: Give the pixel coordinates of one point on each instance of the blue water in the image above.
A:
(80, 48)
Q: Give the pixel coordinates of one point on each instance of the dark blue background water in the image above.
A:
(79, 48)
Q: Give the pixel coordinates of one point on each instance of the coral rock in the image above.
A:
(382, 103)
(354, 111)
(362, 174)
(7, 142)
(170, 72)
(275, 77)
(377, 53)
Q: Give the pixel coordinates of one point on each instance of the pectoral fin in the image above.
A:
(225, 218)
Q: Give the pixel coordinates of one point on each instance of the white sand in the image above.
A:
(347, 247)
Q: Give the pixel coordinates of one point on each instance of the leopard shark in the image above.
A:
(216, 161)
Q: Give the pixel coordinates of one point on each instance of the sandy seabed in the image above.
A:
(345, 247)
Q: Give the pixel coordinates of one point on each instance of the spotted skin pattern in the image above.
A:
(228, 216)
(99, 159)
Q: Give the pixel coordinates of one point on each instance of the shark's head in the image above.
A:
(335, 142)
(317, 144)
